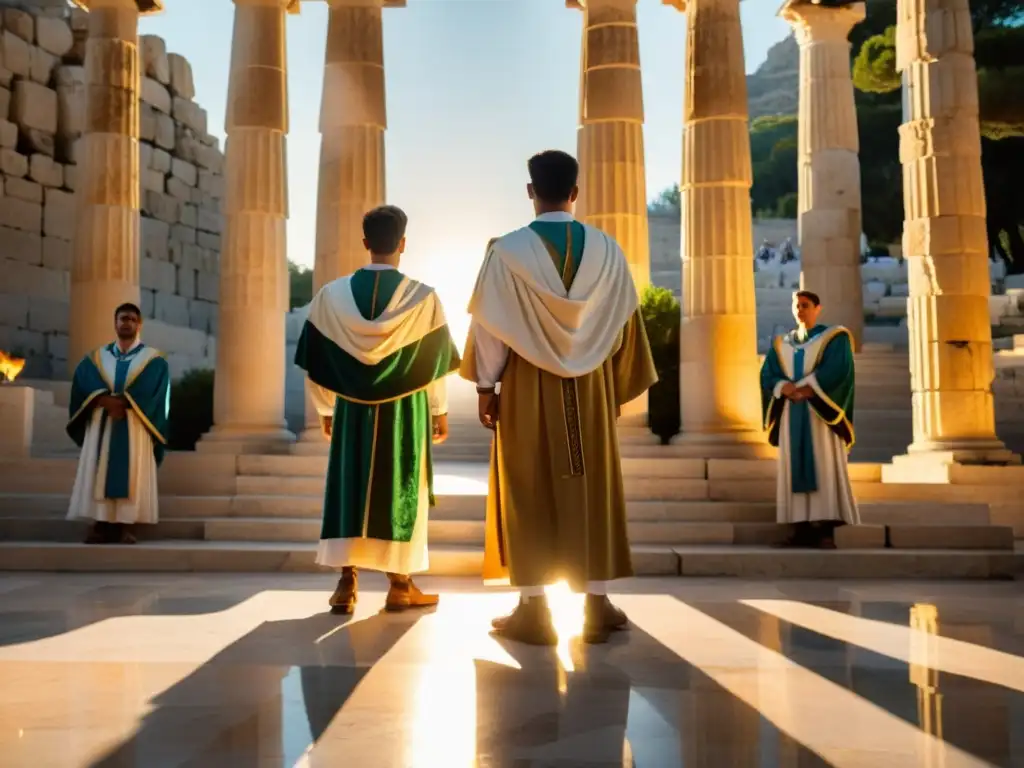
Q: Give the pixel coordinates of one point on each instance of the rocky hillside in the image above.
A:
(774, 89)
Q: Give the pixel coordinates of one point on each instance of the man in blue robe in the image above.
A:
(807, 387)
(376, 349)
(120, 397)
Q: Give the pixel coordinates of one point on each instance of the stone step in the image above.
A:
(471, 533)
(448, 560)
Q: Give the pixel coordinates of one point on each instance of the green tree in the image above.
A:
(662, 315)
(669, 200)
(874, 68)
(300, 285)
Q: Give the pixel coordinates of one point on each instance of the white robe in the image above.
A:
(87, 499)
(834, 498)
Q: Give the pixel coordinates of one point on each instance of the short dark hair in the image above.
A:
(384, 228)
(553, 174)
(811, 296)
(128, 307)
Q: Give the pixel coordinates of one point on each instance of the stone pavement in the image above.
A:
(154, 671)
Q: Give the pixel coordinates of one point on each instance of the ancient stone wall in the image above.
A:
(42, 114)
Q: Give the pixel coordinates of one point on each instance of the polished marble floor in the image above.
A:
(238, 671)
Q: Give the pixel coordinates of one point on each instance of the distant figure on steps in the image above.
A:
(120, 396)
(807, 387)
(556, 325)
(376, 349)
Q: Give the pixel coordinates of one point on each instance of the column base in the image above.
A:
(246, 440)
(974, 452)
(724, 445)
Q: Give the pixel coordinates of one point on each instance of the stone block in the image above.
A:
(148, 297)
(5, 103)
(186, 282)
(157, 275)
(210, 261)
(210, 221)
(202, 315)
(21, 214)
(70, 87)
(153, 237)
(210, 140)
(186, 145)
(13, 164)
(20, 23)
(211, 183)
(18, 245)
(9, 135)
(164, 133)
(6, 76)
(57, 253)
(57, 344)
(160, 160)
(48, 316)
(154, 58)
(35, 281)
(177, 188)
(14, 308)
(186, 255)
(53, 35)
(196, 195)
(171, 309)
(147, 122)
(190, 216)
(182, 84)
(189, 114)
(41, 65)
(209, 158)
(34, 106)
(151, 180)
(156, 95)
(183, 234)
(208, 241)
(59, 214)
(145, 155)
(39, 141)
(161, 206)
(185, 171)
(15, 53)
(23, 189)
(44, 170)
(71, 177)
(207, 286)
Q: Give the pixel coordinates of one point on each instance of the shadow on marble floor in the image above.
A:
(981, 717)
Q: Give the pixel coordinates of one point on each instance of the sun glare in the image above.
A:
(567, 616)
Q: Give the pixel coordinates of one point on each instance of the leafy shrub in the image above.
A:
(191, 409)
(661, 313)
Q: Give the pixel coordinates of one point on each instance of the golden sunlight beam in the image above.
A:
(955, 657)
(823, 716)
(567, 616)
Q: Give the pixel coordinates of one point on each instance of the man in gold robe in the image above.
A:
(556, 347)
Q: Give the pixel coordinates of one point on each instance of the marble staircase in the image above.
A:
(687, 517)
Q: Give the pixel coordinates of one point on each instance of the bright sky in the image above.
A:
(474, 87)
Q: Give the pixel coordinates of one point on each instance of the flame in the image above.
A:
(10, 367)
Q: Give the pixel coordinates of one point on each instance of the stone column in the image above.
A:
(250, 386)
(613, 186)
(353, 119)
(105, 266)
(830, 220)
(944, 236)
(721, 410)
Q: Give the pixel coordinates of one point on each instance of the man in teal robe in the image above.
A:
(120, 397)
(376, 349)
(807, 388)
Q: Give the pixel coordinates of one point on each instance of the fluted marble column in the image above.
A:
(250, 385)
(721, 411)
(944, 236)
(829, 168)
(610, 147)
(353, 119)
(105, 266)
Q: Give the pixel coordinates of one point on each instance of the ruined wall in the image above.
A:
(42, 114)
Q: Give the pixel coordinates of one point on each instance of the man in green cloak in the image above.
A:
(807, 383)
(376, 349)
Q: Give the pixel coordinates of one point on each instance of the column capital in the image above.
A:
(679, 5)
(813, 21)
